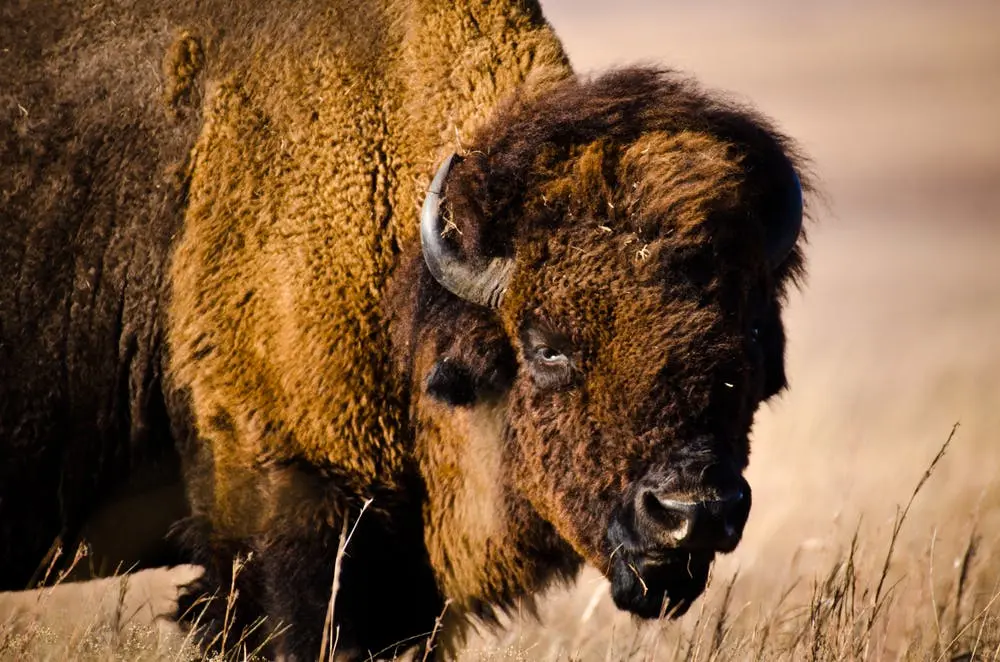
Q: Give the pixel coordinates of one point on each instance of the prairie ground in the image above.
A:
(894, 340)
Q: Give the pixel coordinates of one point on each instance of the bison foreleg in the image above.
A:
(387, 599)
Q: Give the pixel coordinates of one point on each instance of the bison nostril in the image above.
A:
(669, 518)
(653, 507)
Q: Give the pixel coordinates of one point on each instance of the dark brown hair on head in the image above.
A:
(532, 137)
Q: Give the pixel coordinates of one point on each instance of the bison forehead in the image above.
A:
(653, 328)
(594, 284)
(662, 183)
(664, 210)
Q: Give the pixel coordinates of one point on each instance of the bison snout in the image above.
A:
(678, 522)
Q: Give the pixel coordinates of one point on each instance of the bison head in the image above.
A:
(631, 238)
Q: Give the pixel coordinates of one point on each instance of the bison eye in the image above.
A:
(549, 368)
(549, 355)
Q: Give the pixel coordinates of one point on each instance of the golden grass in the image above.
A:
(884, 600)
(108, 619)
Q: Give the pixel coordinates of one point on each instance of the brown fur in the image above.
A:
(296, 327)
(320, 145)
(640, 239)
(89, 199)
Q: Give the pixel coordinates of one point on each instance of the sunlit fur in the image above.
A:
(306, 181)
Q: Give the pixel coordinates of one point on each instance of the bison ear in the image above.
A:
(470, 372)
(451, 383)
(459, 384)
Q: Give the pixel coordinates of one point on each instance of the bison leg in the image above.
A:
(387, 599)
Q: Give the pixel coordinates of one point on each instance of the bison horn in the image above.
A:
(483, 285)
(781, 240)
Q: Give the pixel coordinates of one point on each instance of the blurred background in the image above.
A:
(896, 335)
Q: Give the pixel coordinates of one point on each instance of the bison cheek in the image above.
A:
(573, 497)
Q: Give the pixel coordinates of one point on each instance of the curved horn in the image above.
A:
(484, 285)
(788, 223)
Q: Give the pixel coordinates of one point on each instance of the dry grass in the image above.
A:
(119, 618)
(875, 601)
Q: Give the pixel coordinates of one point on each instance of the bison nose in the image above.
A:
(714, 524)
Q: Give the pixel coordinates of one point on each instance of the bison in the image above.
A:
(387, 269)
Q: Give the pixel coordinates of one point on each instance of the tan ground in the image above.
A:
(896, 338)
